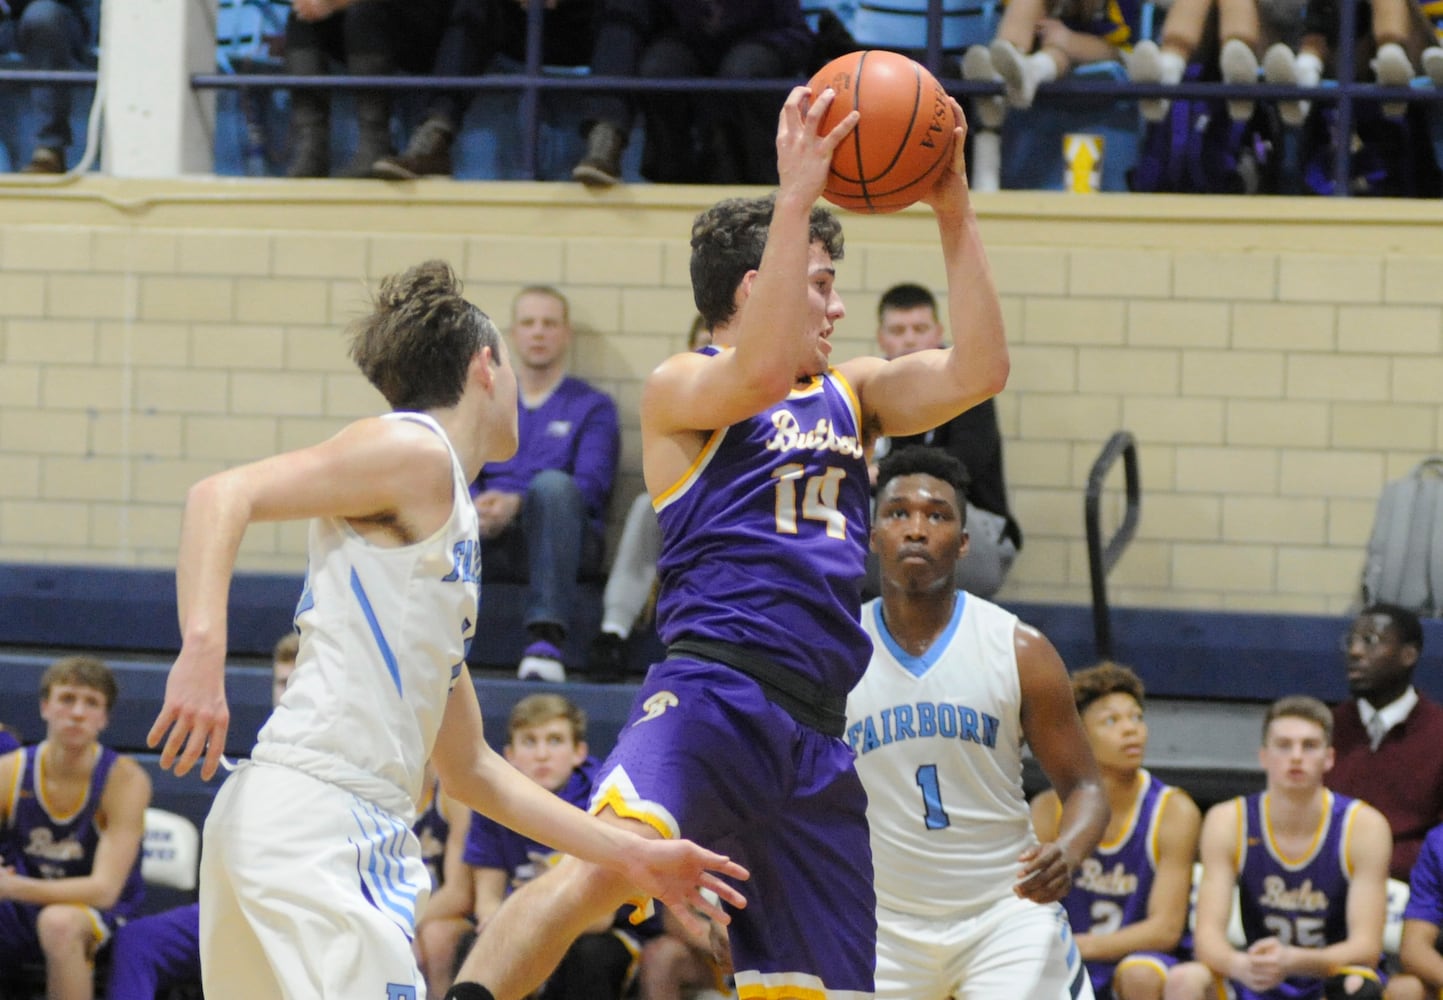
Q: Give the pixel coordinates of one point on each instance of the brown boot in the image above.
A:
(45, 160)
(601, 166)
(373, 116)
(310, 125)
(427, 154)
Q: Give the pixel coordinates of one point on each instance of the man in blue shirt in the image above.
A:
(543, 512)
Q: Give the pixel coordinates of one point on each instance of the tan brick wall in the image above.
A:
(1277, 360)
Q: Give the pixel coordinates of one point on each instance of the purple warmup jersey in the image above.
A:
(431, 830)
(46, 845)
(764, 539)
(1113, 884)
(1425, 883)
(491, 845)
(1299, 900)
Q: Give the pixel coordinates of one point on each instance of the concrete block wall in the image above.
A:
(1278, 360)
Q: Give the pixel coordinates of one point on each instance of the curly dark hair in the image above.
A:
(1103, 679)
(420, 337)
(925, 460)
(727, 241)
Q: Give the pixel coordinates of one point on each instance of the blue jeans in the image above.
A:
(548, 545)
(51, 35)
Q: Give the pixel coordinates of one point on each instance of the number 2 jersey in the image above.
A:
(764, 539)
(938, 739)
(1112, 886)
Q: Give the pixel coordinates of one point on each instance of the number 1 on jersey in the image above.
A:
(819, 499)
(933, 814)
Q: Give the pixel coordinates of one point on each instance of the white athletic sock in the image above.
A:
(1173, 66)
(986, 161)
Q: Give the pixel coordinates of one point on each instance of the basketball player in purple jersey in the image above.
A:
(1129, 900)
(754, 455)
(72, 816)
(1310, 868)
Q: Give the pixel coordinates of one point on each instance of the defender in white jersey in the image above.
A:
(967, 900)
(311, 875)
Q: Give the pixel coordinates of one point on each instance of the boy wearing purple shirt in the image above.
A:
(543, 512)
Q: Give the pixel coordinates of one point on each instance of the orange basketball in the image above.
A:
(903, 140)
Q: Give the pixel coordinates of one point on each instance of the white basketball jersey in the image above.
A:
(938, 739)
(384, 633)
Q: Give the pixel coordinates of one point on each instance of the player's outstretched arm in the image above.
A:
(1052, 728)
(673, 871)
(919, 391)
(1370, 847)
(694, 392)
(391, 469)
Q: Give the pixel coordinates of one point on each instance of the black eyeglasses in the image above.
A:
(1370, 640)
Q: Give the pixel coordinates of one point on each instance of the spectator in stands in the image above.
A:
(733, 140)
(71, 825)
(475, 33)
(1402, 39)
(283, 663)
(632, 579)
(677, 964)
(1422, 920)
(1129, 900)
(1387, 735)
(1038, 42)
(543, 512)
(1308, 869)
(907, 321)
(50, 35)
(546, 741)
(371, 38)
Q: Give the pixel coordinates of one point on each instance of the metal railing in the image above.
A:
(535, 80)
(1101, 558)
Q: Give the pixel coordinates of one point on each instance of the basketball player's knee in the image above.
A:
(1137, 981)
(1352, 986)
(64, 929)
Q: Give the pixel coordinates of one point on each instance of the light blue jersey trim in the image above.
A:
(919, 665)
(382, 645)
(384, 871)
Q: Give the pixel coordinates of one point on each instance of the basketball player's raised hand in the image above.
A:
(949, 194)
(804, 153)
(195, 718)
(676, 872)
(1046, 874)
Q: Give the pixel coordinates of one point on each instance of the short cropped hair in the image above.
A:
(727, 241)
(906, 296)
(548, 291)
(924, 460)
(1300, 706)
(418, 341)
(1405, 620)
(539, 709)
(287, 648)
(81, 671)
(1097, 682)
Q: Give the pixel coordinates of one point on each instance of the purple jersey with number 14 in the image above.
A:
(764, 539)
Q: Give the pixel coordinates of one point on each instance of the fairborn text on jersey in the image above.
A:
(923, 721)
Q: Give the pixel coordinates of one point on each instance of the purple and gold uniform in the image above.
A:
(763, 544)
(1301, 901)
(1111, 888)
(42, 844)
(431, 829)
(1117, 22)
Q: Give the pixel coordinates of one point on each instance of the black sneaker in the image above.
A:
(601, 166)
(606, 660)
